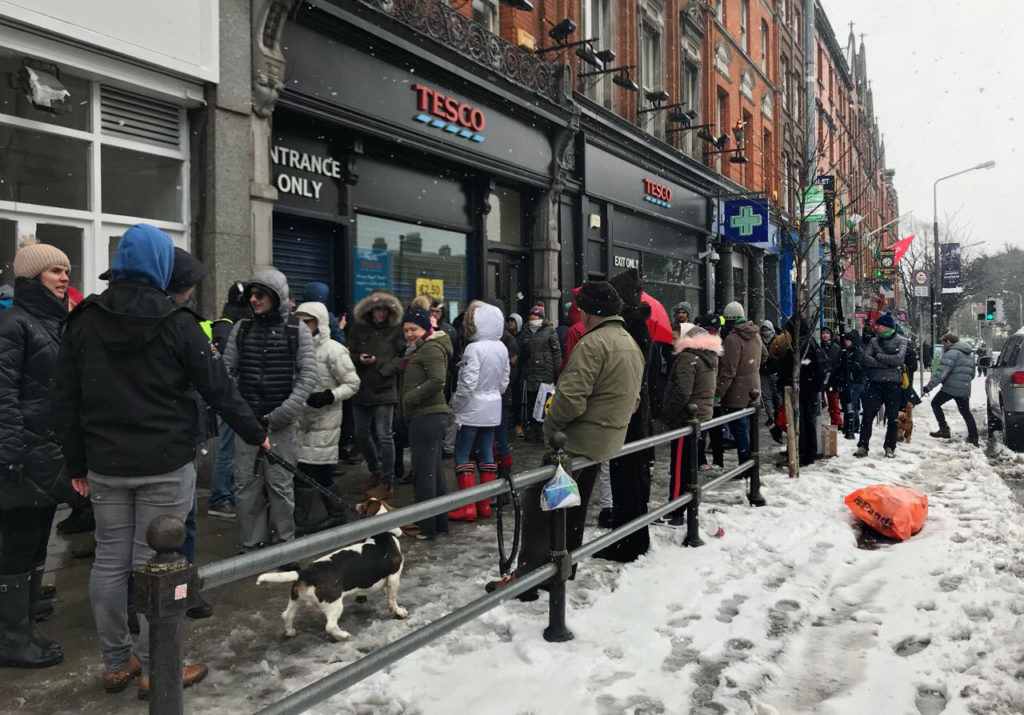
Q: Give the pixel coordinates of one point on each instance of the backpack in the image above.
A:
(910, 361)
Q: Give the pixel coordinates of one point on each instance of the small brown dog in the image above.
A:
(906, 423)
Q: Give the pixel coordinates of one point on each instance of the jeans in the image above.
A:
(24, 534)
(740, 434)
(963, 404)
(604, 486)
(124, 508)
(257, 482)
(856, 390)
(222, 481)
(501, 433)
(480, 437)
(877, 395)
(426, 434)
(379, 454)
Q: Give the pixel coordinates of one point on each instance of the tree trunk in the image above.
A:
(792, 433)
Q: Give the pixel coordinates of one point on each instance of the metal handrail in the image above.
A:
(554, 573)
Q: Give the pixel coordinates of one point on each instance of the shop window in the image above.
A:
(504, 222)
(764, 47)
(138, 184)
(408, 259)
(68, 239)
(744, 24)
(43, 169)
(597, 260)
(15, 102)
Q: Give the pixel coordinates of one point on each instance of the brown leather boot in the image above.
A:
(190, 675)
(941, 433)
(117, 681)
(381, 491)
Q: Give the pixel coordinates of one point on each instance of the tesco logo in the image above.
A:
(658, 191)
(449, 108)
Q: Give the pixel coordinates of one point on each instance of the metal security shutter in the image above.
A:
(304, 252)
(133, 116)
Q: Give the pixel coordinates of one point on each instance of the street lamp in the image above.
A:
(936, 276)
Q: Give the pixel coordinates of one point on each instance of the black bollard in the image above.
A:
(557, 631)
(755, 497)
(692, 472)
(162, 589)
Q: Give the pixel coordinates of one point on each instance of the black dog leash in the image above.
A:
(506, 564)
(278, 461)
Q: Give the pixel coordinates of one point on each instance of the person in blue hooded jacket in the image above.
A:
(317, 292)
(127, 361)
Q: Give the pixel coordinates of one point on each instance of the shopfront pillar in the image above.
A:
(724, 287)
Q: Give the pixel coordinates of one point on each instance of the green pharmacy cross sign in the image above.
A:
(746, 221)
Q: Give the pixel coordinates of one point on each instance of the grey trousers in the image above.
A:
(604, 483)
(379, 452)
(124, 507)
(257, 483)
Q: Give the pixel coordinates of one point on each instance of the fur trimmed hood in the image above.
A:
(693, 337)
(379, 298)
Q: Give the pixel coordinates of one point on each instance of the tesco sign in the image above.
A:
(448, 108)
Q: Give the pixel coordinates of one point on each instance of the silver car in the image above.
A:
(1004, 392)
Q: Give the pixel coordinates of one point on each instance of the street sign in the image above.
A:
(902, 316)
(886, 260)
(921, 278)
(860, 314)
(746, 221)
(814, 204)
(950, 260)
(921, 291)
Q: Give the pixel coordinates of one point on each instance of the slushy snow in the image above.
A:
(782, 614)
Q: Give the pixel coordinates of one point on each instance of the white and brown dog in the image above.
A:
(358, 569)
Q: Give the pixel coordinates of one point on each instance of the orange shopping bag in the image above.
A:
(896, 512)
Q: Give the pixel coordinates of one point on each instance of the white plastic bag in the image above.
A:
(540, 406)
(560, 492)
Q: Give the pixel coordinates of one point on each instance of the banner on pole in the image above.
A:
(949, 254)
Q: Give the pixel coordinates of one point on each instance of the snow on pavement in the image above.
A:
(782, 614)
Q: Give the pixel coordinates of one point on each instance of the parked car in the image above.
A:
(1004, 393)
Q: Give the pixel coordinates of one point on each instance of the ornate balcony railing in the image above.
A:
(439, 22)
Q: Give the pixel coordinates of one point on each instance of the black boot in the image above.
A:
(304, 496)
(18, 638)
(40, 608)
(335, 508)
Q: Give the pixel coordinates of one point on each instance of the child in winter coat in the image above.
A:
(320, 421)
(477, 402)
(692, 381)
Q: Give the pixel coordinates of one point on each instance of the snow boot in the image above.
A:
(335, 509)
(20, 645)
(890, 453)
(974, 441)
(304, 496)
(488, 473)
(862, 451)
(40, 608)
(465, 475)
(941, 433)
(80, 521)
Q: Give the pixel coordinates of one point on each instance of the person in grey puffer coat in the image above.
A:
(271, 358)
(955, 373)
(881, 360)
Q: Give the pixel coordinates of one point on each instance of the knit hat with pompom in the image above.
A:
(33, 258)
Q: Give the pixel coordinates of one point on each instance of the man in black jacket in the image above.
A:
(127, 361)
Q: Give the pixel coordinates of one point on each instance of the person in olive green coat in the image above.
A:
(594, 400)
(423, 408)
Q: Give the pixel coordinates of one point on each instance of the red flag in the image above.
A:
(901, 247)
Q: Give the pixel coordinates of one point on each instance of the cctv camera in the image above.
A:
(710, 255)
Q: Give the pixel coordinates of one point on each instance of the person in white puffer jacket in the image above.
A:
(476, 403)
(320, 421)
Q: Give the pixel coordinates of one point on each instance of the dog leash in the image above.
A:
(507, 563)
(279, 461)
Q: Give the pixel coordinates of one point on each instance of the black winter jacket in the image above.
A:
(378, 382)
(31, 462)
(127, 363)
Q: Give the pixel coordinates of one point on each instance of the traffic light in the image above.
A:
(990, 309)
(981, 317)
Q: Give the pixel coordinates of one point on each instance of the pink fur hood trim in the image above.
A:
(692, 337)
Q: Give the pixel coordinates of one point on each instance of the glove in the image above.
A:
(319, 399)
(925, 391)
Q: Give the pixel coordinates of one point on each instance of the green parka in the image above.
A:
(422, 381)
(597, 392)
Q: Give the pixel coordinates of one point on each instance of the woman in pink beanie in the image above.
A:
(32, 475)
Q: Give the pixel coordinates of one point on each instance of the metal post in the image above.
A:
(161, 592)
(755, 497)
(692, 473)
(557, 631)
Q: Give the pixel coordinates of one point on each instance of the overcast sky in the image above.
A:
(949, 94)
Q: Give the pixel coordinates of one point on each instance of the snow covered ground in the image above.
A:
(782, 614)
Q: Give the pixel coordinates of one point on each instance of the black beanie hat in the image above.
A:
(418, 316)
(599, 298)
(187, 272)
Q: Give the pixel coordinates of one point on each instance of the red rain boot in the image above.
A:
(465, 474)
(488, 473)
